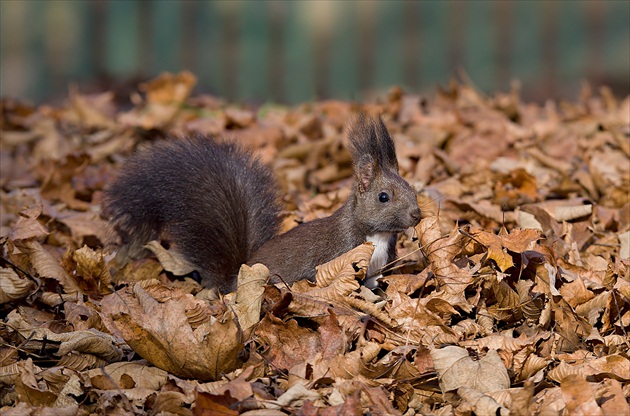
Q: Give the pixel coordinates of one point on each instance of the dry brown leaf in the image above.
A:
(614, 403)
(568, 213)
(47, 266)
(95, 111)
(624, 248)
(13, 287)
(240, 117)
(248, 298)
(480, 403)
(82, 316)
(288, 343)
(164, 98)
(92, 267)
(84, 224)
(508, 303)
(295, 396)
(457, 369)
(532, 365)
(345, 267)
(354, 363)
(29, 385)
(441, 252)
(238, 388)
(89, 341)
(27, 226)
(576, 294)
(615, 365)
(578, 397)
(516, 188)
(415, 318)
(154, 322)
(79, 362)
(138, 270)
(171, 260)
(171, 402)
(517, 241)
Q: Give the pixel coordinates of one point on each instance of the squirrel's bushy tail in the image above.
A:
(214, 201)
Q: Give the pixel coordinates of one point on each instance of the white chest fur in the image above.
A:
(379, 257)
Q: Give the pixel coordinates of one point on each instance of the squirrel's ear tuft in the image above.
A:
(371, 148)
(363, 148)
(386, 148)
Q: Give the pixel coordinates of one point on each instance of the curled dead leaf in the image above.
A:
(345, 267)
(153, 321)
(171, 260)
(92, 267)
(164, 98)
(27, 226)
(441, 251)
(248, 298)
(12, 286)
(480, 403)
(47, 266)
(89, 341)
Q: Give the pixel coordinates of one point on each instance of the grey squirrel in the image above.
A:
(219, 205)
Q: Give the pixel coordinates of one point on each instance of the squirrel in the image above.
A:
(220, 206)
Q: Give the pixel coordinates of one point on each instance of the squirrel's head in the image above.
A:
(384, 200)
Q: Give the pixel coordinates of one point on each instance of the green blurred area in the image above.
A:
(295, 51)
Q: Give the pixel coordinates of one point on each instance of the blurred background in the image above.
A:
(295, 51)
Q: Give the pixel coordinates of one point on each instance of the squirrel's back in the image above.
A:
(229, 199)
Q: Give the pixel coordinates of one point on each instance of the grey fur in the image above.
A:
(216, 202)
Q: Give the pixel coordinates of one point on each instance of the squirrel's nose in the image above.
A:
(416, 215)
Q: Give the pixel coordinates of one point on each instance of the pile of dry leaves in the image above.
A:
(512, 296)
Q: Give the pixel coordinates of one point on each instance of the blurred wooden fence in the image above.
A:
(297, 51)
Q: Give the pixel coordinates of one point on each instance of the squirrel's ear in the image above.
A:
(364, 149)
(386, 149)
(364, 171)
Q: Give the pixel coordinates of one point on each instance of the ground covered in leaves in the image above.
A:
(511, 296)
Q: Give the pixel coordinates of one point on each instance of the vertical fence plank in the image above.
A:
(277, 17)
(253, 47)
(210, 46)
(503, 35)
(20, 71)
(60, 45)
(549, 17)
(121, 40)
(526, 45)
(480, 44)
(190, 46)
(390, 37)
(85, 22)
(571, 42)
(166, 31)
(434, 42)
(229, 12)
(411, 45)
(343, 74)
(457, 19)
(298, 83)
(617, 41)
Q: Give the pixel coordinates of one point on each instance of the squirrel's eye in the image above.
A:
(383, 197)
